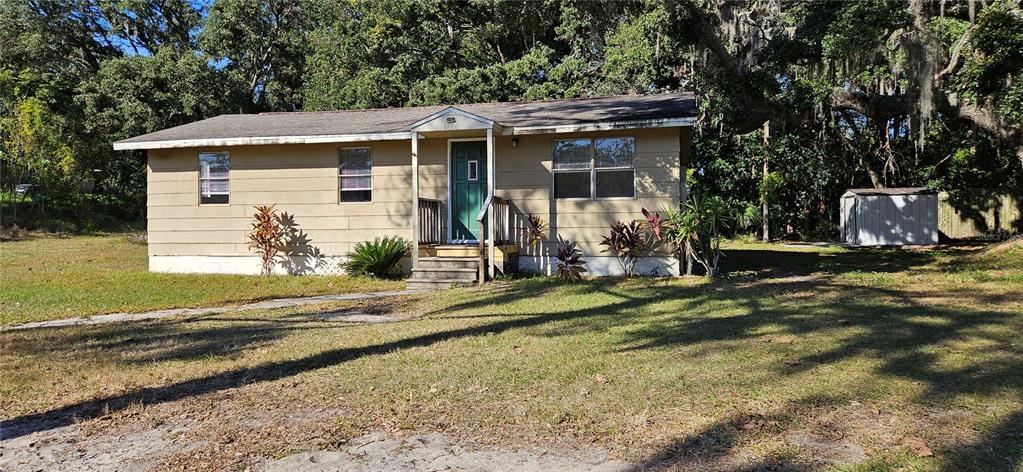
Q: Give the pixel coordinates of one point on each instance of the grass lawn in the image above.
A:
(798, 358)
(50, 277)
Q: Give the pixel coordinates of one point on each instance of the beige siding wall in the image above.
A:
(524, 177)
(302, 180)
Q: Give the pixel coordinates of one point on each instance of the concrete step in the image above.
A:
(453, 273)
(434, 284)
(449, 262)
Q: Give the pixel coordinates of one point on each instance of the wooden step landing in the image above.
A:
(465, 250)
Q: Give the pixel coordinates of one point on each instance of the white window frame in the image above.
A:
(592, 170)
(340, 160)
(201, 179)
(470, 166)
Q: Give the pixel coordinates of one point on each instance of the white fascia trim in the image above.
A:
(601, 126)
(262, 140)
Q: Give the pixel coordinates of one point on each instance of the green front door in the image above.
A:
(468, 187)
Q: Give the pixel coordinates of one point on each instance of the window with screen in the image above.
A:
(356, 175)
(615, 167)
(214, 178)
(595, 168)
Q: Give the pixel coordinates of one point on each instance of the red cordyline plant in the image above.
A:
(628, 243)
(268, 236)
(536, 231)
(570, 262)
(655, 223)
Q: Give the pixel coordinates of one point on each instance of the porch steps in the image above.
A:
(443, 272)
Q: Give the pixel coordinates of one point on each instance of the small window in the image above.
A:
(615, 168)
(355, 172)
(573, 164)
(595, 168)
(474, 171)
(214, 178)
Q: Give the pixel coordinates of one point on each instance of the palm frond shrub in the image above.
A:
(571, 266)
(708, 216)
(747, 216)
(679, 229)
(377, 258)
(694, 231)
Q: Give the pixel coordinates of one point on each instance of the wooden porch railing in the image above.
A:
(431, 221)
(499, 208)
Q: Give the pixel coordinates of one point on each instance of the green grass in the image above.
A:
(51, 277)
(686, 373)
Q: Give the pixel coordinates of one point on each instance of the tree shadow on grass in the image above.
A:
(712, 448)
(766, 261)
(143, 342)
(908, 339)
(185, 338)
(888, 325)
(67, 415)
(1000, 448)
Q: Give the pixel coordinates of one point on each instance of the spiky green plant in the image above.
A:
(378, 257)
(747, 216)
(711, 215)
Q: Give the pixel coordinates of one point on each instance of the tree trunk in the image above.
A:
(689, 258)
(765, 211)
(875, 179)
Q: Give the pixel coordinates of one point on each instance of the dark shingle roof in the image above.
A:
(398, 120)
(889, 191)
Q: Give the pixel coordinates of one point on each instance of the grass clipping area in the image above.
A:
(51, 277)
(796, 359)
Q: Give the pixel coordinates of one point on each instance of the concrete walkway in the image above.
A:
(377, 452)
(155, 315)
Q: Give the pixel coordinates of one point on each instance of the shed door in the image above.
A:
(468, 187)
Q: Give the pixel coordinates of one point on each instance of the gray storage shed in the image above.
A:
(889, 216)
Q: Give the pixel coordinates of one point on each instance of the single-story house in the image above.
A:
(429, 174)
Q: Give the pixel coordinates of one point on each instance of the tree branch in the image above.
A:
(875, 106)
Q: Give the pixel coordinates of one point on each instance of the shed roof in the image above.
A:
(888, 191)
(616, 112)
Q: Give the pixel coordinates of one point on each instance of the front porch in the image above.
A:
(466, 236)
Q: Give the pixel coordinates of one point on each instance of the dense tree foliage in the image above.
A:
(811, 97)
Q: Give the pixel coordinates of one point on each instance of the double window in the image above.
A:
(355, 172)
(214, 178)
(595, 168)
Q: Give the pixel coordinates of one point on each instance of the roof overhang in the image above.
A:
(601, 126)
(260, 141)
(438, 122)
